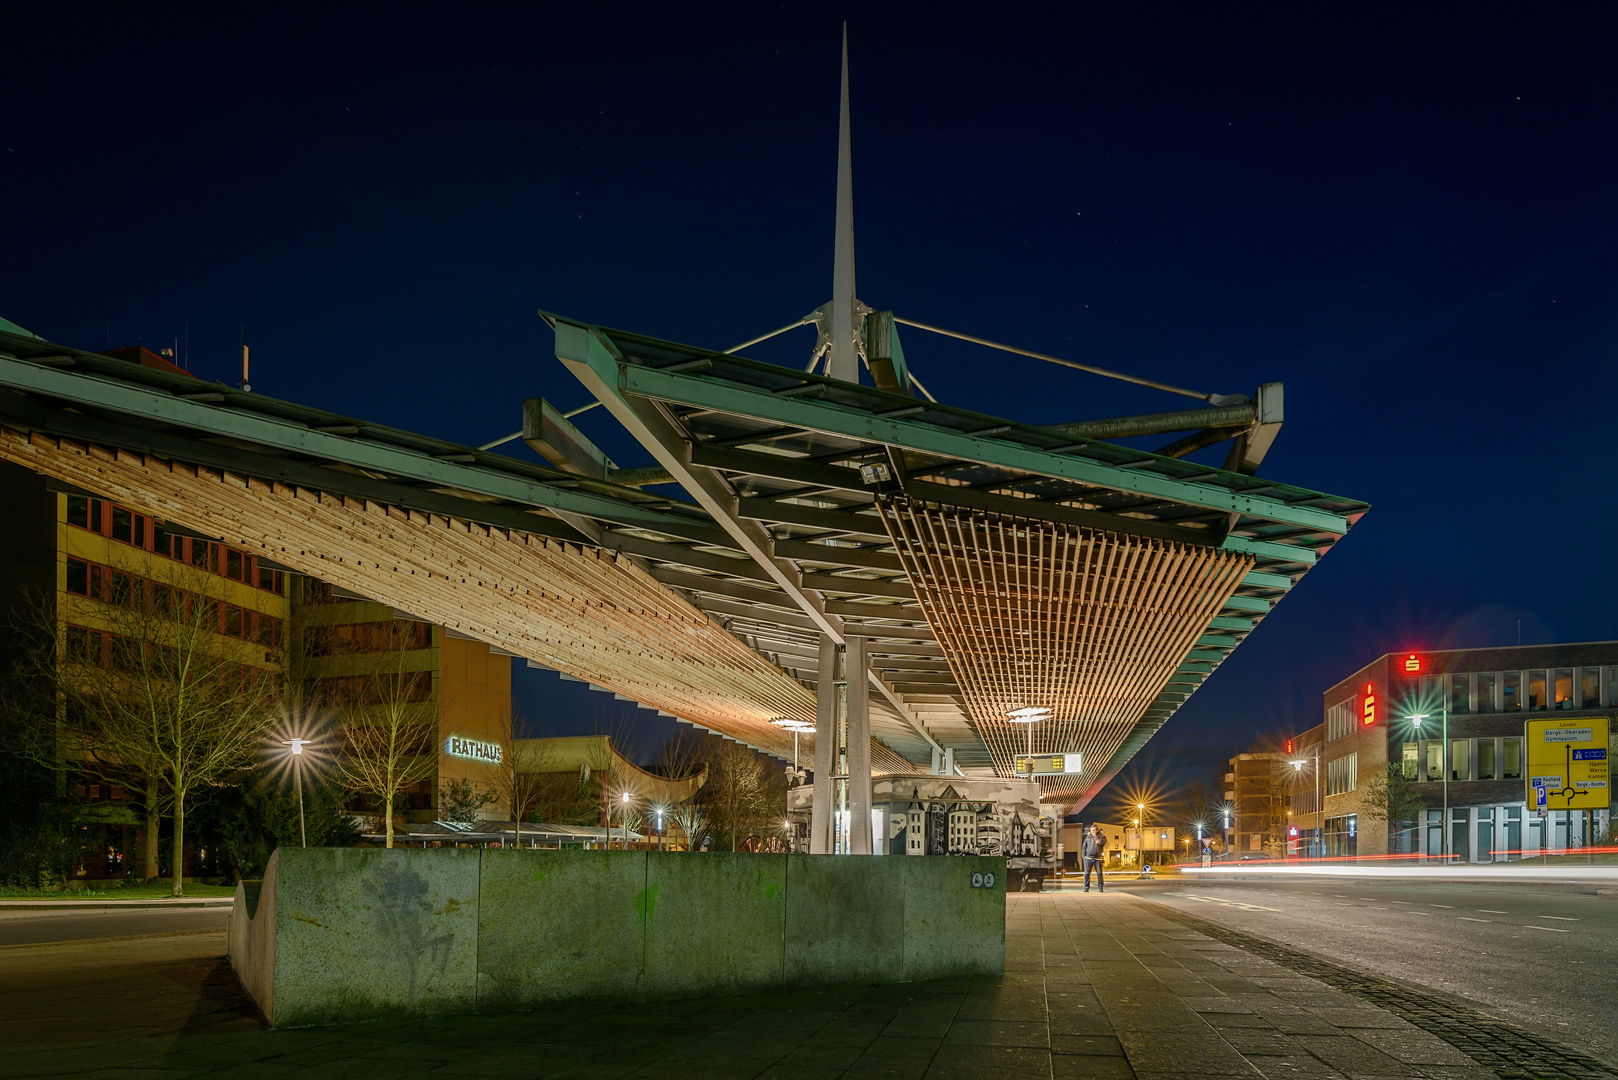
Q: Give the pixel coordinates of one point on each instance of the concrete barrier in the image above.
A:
(334, 934)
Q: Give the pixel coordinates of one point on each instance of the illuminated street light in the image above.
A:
(1030, 716)
(1443, 757)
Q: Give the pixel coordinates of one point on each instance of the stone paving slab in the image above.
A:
(1103, 987)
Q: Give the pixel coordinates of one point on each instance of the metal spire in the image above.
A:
(844, 362)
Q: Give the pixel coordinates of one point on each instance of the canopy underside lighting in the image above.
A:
(1086, 623)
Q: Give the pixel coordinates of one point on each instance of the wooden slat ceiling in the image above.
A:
(1087, 623)
(593, 614)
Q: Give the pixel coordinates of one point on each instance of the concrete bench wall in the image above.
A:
(335, 934)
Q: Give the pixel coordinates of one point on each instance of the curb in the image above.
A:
(115, 905)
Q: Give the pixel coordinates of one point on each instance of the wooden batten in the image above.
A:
(1087, 623)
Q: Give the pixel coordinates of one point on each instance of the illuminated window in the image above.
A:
(1460, 759)
(1537, 698)
(1435, 759)
(1511, 759)
(1486, 760)
(1486, 702)
(1340, 720)
(1342, 775)
(1562, 687)
(1409, 760)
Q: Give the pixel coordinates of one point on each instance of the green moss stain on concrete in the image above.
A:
(646, 910)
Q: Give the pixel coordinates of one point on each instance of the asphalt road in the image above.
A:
(32, 927)
(1545, 956)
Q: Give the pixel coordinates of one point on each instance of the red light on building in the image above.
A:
(1368, 705)
(1292, 830)
(1289, 746)
(1412, 664)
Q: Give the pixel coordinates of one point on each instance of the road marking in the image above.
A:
(1558, 918)
(1340, 896)
(1450, 907)
(1432, 913)
(1229, 903)
(1491, 911)
(1464, 918)
(1404, 902)
(1368, 899)
(1552, 929)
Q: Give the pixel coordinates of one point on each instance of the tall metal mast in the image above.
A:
(844, 362)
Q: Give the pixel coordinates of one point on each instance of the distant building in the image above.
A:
(1255, 789)
(1485, 695)
(79, 551)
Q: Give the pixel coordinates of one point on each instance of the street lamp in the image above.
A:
(1029, 716)
(1320, 805)
(1443, 757)
(297, 746)
(623, 818)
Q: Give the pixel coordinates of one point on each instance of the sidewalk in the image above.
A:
(1096, 986)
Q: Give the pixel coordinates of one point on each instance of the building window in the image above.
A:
(1589, 688)
(1537, 698)
(1511, 759)
(1340, 720)
(1486, 702)
(1435, 759)
(1342, 775)
(1460, 760)
(1409, 760)
(234, 565)
(1460, 693)
(1512, 691)
(1562, 687)
(202, 555)
(78, 577)
(1486, 760)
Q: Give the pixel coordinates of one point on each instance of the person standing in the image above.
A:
(1093, 851)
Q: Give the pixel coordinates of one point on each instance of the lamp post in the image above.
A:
(1029, 716)
(623, 819)
(297, 746)
(1320, 806)
(1444, 763)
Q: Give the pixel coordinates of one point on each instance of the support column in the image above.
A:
(859, 749)
(822, 809)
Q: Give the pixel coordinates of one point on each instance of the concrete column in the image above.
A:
(821, 808)
(859, 749)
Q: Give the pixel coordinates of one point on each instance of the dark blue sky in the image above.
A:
(1407, 217)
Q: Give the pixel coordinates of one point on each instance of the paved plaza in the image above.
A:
(1097, 985)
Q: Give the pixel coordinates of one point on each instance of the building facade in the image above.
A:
(1453, 722)
(78, 554)
(1256, 790)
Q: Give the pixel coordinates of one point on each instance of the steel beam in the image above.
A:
(834, 419)
(591, 361)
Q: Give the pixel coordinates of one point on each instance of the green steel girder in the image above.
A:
(133, 400)
(698, 391)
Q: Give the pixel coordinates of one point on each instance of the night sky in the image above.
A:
(1406, 217)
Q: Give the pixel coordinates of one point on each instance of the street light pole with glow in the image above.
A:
(1320, 805)
(297, 746)
(1444, 762)
(1029, 716)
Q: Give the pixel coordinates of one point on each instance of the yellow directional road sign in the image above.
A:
(1568, 758)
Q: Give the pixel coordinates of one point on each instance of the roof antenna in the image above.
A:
(244, 384)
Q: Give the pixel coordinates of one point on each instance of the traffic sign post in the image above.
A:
(1568, 767)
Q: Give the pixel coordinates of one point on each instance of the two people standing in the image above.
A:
(1093, 851)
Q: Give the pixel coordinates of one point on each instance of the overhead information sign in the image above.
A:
(1050, 764)
(1568, 767)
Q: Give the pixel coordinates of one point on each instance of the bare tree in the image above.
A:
(682, 757)
(1391, 796)
(153, 691)
(518, 782)
(388, 721)
(738, 791)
